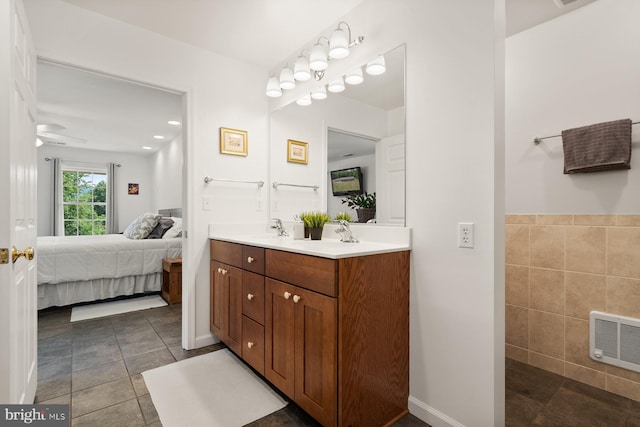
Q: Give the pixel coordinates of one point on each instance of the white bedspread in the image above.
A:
(78, 258)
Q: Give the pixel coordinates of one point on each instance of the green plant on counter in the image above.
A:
(343, 216)
(301, 216)
(360, 201)
(315, 219)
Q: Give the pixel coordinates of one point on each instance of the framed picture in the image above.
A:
(297, 151)
(134, 189)
(233, 141)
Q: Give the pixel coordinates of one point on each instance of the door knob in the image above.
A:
(296, 298)
(27, 253)
(249, 260)
(287, 295)
(250, 344)
(249, 297)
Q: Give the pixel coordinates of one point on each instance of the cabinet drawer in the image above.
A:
(226, 252)
(253, 344)
(253, 259)
(253, 296)
(310, 272)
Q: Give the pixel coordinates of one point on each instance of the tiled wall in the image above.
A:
(558, 269)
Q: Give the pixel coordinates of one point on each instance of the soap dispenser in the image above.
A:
(298, 229)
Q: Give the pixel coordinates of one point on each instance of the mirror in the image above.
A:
(363, 126)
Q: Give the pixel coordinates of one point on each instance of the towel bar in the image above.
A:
(538, 140)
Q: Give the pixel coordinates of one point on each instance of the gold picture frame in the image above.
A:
(297, 151)
(234, 141)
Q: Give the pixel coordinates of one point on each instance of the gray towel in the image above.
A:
(599, 147)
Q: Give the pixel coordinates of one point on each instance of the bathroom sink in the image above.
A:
(326, 247)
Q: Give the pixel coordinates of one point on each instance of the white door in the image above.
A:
(390, 193)
(18, 169)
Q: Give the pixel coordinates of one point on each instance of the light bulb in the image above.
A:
(377, 66)
(286, 79)
(336, 86)
(301, 70)
(319, 93)
(354, 77)
(273, 88)
(318, 60)
(338, 44)
(304, 100)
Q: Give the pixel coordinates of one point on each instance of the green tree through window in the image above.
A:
(84, 198)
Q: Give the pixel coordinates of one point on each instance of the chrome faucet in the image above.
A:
(279, 228)
(346, 235)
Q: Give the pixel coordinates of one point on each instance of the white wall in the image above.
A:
(575, 70)
(166, 176)
(72, 35)
(455, 173)
(134, 169)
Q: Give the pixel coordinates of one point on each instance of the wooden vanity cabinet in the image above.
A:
(335, 332)
(236, 289)
(226, 303)
(345, 344)
(300, 347)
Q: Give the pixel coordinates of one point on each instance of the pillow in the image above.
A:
(142, 226)
(163, 225)
(175, 230)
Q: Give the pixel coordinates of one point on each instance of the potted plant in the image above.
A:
(316, 221)
(343, 216)
(364, 204)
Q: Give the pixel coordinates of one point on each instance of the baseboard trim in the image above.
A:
(431, 416)
(205, 340)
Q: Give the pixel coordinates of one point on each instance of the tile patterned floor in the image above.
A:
(535, 397)
(96, 365)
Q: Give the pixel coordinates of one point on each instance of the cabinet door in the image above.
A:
(217, 295)
(316, 355)
(279, 336)
(233, 327)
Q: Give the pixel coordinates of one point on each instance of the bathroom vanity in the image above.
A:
(325, 322)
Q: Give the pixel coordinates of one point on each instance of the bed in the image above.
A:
(74, 269)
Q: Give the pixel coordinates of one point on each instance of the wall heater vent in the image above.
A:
(615, 340)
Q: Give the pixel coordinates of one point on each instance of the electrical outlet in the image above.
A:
(465, 235)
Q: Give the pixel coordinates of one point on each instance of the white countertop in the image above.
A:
(382, 241)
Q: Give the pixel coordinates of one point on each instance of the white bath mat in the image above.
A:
(214, 390)
(92, 311)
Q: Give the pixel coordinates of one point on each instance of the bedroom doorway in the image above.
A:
(87, 120)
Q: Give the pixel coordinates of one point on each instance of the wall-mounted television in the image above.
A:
(345, 182)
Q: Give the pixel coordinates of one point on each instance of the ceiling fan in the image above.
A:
(49, 133)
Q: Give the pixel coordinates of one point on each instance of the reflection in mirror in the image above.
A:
(360, 127)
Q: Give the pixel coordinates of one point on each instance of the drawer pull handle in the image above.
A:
(224, 271)
(287, 295)
(249, 297)
(250, 344)
(219, 270)
(296, 298)
(249, 260)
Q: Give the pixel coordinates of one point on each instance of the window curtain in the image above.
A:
(112, 210)
(57, 210)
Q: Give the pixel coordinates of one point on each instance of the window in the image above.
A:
(84, 199)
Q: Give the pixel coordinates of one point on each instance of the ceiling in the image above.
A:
(107, 114)
(90, 107)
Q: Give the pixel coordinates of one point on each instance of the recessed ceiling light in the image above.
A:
(147, 148)
(174, 122)
(158, 137)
